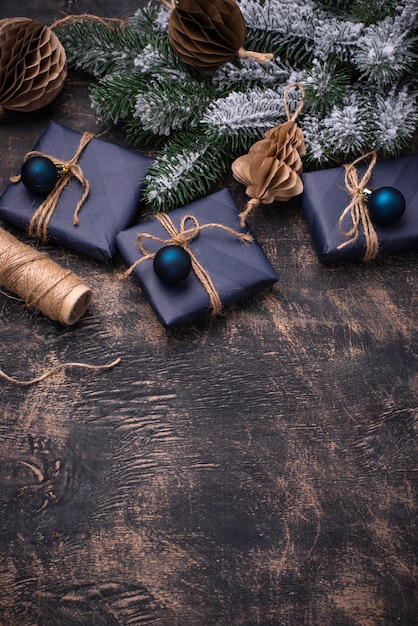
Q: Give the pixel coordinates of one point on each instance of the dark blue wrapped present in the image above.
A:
(325, 197)
(236, 268)
(114, 175)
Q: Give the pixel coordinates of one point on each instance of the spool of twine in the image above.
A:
(33, 276)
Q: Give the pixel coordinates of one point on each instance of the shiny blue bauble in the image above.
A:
(172, 264)
(39, 174)
(386, 205)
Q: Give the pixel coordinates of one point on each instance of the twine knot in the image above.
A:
(182, 237)
(357, 209)
(39, 223)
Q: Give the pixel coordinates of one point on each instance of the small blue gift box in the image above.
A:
(114, 175)
(237, 269)
(325, 197)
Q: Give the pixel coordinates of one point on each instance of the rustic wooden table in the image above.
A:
(256, 469)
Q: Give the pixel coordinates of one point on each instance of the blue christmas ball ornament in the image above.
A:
(386, 205)
(39, 174)
(172, 264)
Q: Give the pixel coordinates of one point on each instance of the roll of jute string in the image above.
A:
(357, 209)
(44, 285)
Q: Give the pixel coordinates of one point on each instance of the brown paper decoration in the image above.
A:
(271, 169)
(208, 33)
(33, 64)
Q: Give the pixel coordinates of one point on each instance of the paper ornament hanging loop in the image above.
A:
(208, 33)
(33, 64)
(271, 169)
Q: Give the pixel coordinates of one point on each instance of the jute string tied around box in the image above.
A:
(39, 223)
(357, 209)
(182, 237)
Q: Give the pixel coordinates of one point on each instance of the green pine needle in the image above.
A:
(357, 60)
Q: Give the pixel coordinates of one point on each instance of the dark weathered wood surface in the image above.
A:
(258, 469)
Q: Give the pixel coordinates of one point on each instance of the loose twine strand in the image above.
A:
(181, 237)
(254, 202)
(55, 369)
(105, 21)
(39, 223)
(357, 209)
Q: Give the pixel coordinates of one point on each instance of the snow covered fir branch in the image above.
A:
(357, 60)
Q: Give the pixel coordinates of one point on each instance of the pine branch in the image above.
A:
(153, 123)
(152, 18)
(326, 85)
(249, 73)
(336, 40)
(345, 129)
(167, 107)
(372, 11)
(286, 30)
(184, 170)
(155, 75)
(392, 121)
(113, 97)
(339, 7)
(360, 79)
(96, 49)
(243, 114)
(384, 53)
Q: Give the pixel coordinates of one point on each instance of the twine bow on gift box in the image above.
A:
(357, 209)
(39, 223)
(182, 237)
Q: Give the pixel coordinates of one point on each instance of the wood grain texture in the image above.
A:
(259, 469)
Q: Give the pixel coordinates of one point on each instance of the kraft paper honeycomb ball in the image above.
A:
(271, 169)
(206, 33)
(33, 64)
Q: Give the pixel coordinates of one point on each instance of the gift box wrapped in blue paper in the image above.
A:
(103, 178)
(325, 198)
(227, 264)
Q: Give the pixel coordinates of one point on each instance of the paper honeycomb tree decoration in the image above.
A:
(271, 169)
(208, 33)
(33, 64)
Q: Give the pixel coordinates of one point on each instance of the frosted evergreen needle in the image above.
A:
(357, 60)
